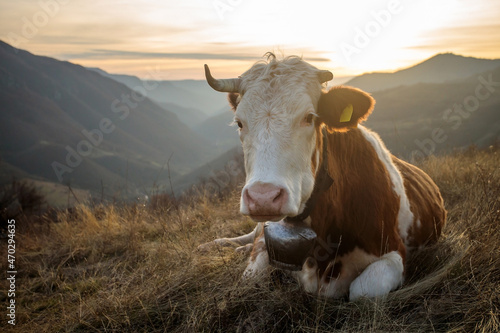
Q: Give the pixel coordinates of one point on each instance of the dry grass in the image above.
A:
(131, 269)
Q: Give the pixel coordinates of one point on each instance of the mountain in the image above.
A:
(438, 69)
(214, 171)
(63, 123)
(191, 94)
(218, 129)
(203, 96)
(189, 116)
(129, 80)
(420, 119)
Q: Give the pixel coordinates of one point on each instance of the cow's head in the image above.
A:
(279, 107)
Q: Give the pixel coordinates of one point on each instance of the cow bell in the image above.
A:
(288, 244)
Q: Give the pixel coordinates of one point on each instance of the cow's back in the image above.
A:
(426, 204)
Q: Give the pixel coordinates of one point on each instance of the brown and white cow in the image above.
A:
(378, 206)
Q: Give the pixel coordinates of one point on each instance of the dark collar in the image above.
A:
(322, 183)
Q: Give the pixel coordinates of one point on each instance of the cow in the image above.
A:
(301, 141)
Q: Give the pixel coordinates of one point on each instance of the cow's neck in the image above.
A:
(349, 212)
(322, 182)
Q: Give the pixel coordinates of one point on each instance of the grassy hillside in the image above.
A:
(132, 269)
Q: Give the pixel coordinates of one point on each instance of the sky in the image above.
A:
(173, 39)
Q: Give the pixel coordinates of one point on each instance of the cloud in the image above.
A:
(117, 54)
(124, 35)
(478, 40)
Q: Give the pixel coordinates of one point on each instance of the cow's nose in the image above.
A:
(265, 201)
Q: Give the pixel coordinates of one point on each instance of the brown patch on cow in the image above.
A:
(233, 99)
(426, 204)
(332, 104)
(360, 209)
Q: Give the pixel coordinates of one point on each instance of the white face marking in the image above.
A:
(277, 111)
(405, 216)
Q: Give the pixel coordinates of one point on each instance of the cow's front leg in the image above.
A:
(379, 278)
(258, 262)
(242, 243)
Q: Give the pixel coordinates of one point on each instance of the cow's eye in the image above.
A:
(240, 125)
(309, 119)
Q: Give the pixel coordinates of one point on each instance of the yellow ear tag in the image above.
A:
(346, 114)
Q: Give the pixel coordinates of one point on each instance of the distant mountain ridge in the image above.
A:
(62, 122)
(50, 105)
(437, 69)
(192, 94)
(231, 159)
(427, 118)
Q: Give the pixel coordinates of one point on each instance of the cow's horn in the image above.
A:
(223, 85)
(324, 76)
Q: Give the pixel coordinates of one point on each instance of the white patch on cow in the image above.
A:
(379, 278)
(405, 216)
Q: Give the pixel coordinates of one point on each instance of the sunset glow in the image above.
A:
(176, 38)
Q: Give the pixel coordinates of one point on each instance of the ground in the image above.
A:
(136, 269)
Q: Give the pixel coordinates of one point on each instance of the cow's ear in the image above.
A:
(234, 100)
(344, 107)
